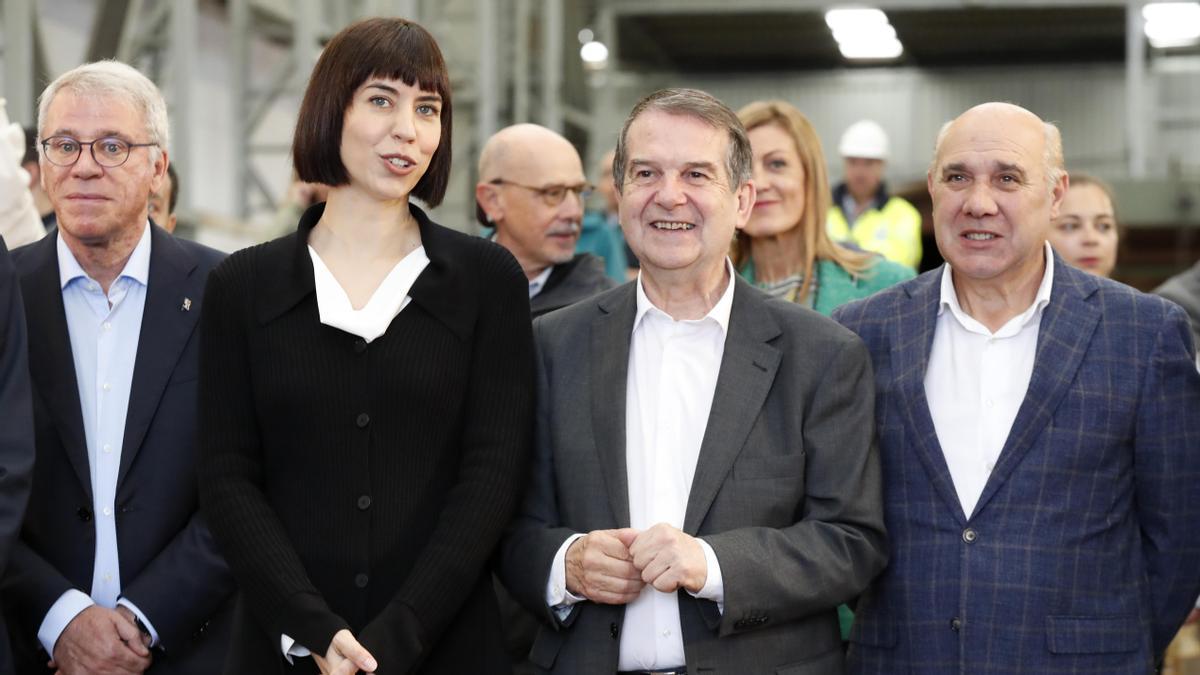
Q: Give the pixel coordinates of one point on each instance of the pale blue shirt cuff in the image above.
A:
(714, 584)
(127, 604)
(66, 608)
(557, 595)
(290, 648)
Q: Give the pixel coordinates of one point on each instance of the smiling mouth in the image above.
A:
(979, 236)
(672, 225)
(400, 162)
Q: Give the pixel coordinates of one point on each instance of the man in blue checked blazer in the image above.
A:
(1040, 437)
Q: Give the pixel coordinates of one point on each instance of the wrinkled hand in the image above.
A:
(669, 559)
(99, 641)
(129, 616)
(345, 656)
(600, 568)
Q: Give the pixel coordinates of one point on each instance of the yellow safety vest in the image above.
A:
(893, 231)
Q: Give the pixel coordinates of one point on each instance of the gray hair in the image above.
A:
(1053, 165)
(113, 78)
(704, 107)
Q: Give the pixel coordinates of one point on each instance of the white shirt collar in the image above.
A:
(136, 268)
(391, 296)
(949, 299)
(537, 283)
(719, 312)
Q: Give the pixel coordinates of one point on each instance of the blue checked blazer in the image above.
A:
(1083, 553)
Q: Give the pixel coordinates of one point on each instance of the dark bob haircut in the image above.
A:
(389, 48)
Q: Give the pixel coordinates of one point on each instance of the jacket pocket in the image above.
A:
(775, 466)
(1092, 634)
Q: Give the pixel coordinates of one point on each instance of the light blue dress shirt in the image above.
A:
(104, 331)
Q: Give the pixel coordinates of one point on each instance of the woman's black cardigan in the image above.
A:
(364, 486)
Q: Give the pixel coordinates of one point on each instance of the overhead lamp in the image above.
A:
(876, 33)
(594, 53)
(871, 50)
(863, 33)
(853, 18)
(1172, 24)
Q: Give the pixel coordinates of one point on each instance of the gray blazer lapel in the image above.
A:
(1067, 325)
(609, 363)
(910, 360)
(748, 369)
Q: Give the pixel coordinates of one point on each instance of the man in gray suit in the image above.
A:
(706, 488)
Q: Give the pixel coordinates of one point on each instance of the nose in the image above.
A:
(571, 207)
(403, 126)
(1091, 236)
(670, 193)
(979, 201)
(86, 166)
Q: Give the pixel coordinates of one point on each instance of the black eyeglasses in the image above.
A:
(552, 195)
(108, 152)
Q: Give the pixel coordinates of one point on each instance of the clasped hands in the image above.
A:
(612, 566)
(101, 641)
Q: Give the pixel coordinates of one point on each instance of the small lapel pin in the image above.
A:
(187, 304)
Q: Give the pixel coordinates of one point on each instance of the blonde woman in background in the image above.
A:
(784, 249)
(1085, 232)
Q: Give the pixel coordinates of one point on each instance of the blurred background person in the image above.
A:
(863, 212)
(532, 189)
(784, 248)
(164, 199)
(366, 391)
(1085, 232)
(40, 199)
(19, 223)
(601, 234)
(299, 196)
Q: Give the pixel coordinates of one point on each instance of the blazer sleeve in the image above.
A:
(494, 455)
(535, 535)
(16, 410)
(838, 544)
(270, 573)
(1167, 476)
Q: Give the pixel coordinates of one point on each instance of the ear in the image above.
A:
(929, 182)
(488, 198)
(172, 221)
(1058, 193)
(160, 170)
(746, 194)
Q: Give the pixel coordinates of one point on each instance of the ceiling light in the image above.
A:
(863, 33)
(871, 50)
(1172, 24)
(850, 19)
(593, 52)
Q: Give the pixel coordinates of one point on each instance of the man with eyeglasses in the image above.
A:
(115, 571)
(531, 189)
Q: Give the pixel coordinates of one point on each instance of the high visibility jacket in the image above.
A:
(890, 227)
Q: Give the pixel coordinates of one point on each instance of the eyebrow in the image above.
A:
(392, 90)
(104, 133)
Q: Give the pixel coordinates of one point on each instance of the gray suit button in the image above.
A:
(362, 420)
(970, 535)
(364, 502)
(956, 624)
(360, 580)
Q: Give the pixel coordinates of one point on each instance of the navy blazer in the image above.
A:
(1083, 553)
(170, 567)
(16, 423)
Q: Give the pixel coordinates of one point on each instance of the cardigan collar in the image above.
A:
(440, 289)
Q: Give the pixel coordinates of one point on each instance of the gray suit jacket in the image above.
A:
(786, 490)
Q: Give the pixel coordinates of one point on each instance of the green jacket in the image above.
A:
(836, 286)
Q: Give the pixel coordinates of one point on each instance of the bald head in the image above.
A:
(1012, 120)
(530, 182)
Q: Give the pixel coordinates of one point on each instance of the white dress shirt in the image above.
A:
(976, 382)
(537, 283)
(673, 367)
(104, 330)
(368, 323)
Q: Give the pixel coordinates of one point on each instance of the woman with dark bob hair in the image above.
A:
(366, 391)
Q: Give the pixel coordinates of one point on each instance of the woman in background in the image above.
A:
(784, 248)
(366, 391)
(1085, 231)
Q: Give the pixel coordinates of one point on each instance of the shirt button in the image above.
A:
(956, 624)
(108, 578)
(969, 535)
(360, 580)
(360, 346)
(667, 632)
(107, 326)
(362, 420)
(989, 466)
(106, 386)
(107, 448)
(990, 403)
(107, 511)
(364, 503)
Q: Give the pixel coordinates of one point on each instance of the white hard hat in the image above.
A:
(864, 139)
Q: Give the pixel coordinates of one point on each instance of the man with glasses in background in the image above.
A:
(115, 571)
(531, 189)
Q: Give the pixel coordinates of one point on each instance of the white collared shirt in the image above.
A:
(386, 302)
(976, 382)
(537, 283)
(104, 330)
(673, 368)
